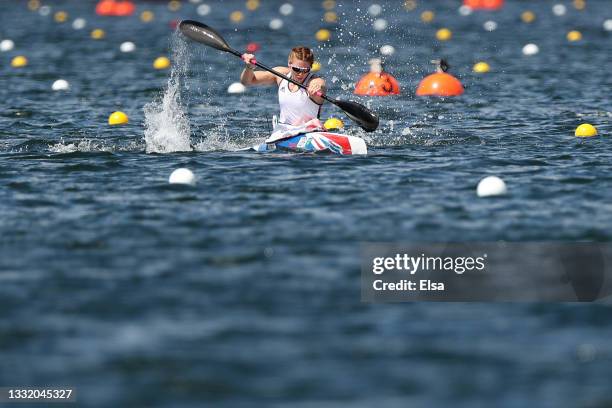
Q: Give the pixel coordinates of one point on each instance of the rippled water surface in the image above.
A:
(243, 290)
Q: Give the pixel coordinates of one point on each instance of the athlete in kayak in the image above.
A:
(298, 107)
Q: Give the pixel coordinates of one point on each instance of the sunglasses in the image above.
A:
(300, 69)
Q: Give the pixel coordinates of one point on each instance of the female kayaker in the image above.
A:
(297, 106)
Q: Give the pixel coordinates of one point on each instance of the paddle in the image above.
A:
(202, 33)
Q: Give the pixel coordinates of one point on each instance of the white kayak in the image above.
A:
(317, 142)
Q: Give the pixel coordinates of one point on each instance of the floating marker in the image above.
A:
(528, 17)
(333, 124)
(286, 9)
(60, 17)
(323, 35)
(444, 34)
(329, 4)
(127, 46)
(375, 10)
(60, 85)
(182, 176)
(236, 88)
(203, 10)
(44, 11)
(574, 36)
(387, 50)
(19, 61)
(607, 25)
(33, 5)
(380, 24)
(484, 4)
(98, 34)
(6, 45)
(161, 63)
(330, 17)
(491, 186)
(118, 118)
(276, 24)
(440, 84)
(147, 16)
(481, 67)
(490, 25)
(174, 5)
(531, 49)
(465, 10)
(559, 9)
(316, 66)
(252, 5)
(79, 23)
(236, 16)
(252, 47)
(427, 16)
(586, 130)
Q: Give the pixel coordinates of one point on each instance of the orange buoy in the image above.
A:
(484, 4)
(105, 8)
(124, 8)
(440, 84)
(377, 84)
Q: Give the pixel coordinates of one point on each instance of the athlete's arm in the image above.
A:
(316, 87)
(251, 77)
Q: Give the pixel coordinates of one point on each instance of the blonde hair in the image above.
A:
(302, 53)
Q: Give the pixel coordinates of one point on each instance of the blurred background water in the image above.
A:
(244, 290)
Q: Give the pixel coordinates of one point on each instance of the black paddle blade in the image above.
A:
(364, 117)
(203, 34)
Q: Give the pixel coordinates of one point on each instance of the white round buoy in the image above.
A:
(465, 10)
(236, 88)
(203, 10)
(44, 10)
(375, 10)
(182, 176)
(6, 45)
(276, 24)
(607, 25)
(491, 186)
(380, 24)
(127, 46)
(490, 25)
(387, 50)
(286, 9)
(60, 85)
(79, 23)
(531, 49)
(559, 9)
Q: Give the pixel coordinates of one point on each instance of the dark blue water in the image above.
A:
(243, 290)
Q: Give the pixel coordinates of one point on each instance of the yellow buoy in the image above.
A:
(117, 118)
(481, 67)
(427, 16)
(323, 35)
(147, 16)
(528, 16)
(316, 66)
(161, 63)
(330, 17)
(574, 36)
(329, 4)
(410, 5)
(586, 130)
(579, 4)
(98, 34)
(19, 61)
(252, 5)
(333, 124)
(444, 34)
(174, 5)
(60, 17)
(33, 5)
(237, 16)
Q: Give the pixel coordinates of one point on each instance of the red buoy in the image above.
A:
(484, 4)
(252, 47)
(105, 8)
(377, 84)
(124, 8)
(440, 84)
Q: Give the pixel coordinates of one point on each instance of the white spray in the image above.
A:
(166, 122)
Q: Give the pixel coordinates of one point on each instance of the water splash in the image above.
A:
(166, 123)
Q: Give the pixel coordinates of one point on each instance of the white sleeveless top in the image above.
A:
(296, 107)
